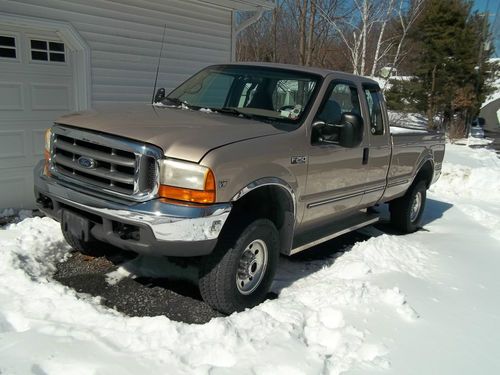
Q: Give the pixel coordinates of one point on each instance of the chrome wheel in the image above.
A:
(252, 267)
(416, 206)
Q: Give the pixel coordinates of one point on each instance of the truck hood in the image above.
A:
(181, 133)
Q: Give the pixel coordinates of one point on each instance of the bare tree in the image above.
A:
(351, 41)
(354, 31)
(380, 41)
(407, 14)
(355, 35)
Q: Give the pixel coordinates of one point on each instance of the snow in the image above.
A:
(385, 84)
(407, 119)
(402, 130)
(416, 304)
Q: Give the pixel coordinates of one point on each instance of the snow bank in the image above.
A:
(305, 331)
(469, 174)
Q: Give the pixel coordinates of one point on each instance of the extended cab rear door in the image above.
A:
(377, 154)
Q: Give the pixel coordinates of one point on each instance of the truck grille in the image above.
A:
(104, 163)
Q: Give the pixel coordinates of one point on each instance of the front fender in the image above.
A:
(241, 166)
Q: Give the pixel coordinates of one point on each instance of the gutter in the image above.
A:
(237, 29)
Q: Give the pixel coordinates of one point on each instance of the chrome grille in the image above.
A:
(105, 163)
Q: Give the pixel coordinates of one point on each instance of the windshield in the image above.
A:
(250, 91)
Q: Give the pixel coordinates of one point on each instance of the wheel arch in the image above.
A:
(271, 198)
(425, 172)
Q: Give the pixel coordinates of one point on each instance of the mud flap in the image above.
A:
(78, 226)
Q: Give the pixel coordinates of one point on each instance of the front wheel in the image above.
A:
(406, 212)
(239, 273)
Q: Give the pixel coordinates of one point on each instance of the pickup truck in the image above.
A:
(237, 165)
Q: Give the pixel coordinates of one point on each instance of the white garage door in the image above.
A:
(36, 86)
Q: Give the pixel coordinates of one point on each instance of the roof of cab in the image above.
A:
(306, 69)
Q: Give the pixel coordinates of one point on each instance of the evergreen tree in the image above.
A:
(450, 64)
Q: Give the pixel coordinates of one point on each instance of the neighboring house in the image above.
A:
(491, 114)
(70, 55)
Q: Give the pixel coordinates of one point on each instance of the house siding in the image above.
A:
(125, 39)
(489, 113)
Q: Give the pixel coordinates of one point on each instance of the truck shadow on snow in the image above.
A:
(144, 286)
(310, 261)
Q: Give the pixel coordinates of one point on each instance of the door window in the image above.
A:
(341, 98)
(374, 100)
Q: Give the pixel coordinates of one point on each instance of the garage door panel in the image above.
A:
(17, 188)
(12, 144)
(45, 97)
(21, 143)
(38, 142)
(34, 69)
(11, 96)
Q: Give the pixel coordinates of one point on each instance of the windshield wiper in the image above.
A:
(177, 101)
(233, 111)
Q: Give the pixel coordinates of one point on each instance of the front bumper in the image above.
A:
(152, 227)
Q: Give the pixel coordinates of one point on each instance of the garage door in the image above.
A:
(36, 86)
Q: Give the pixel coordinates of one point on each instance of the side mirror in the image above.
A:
(318, 130)
(351, 130)
(160, 95)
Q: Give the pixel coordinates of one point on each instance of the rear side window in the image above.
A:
(374, 100)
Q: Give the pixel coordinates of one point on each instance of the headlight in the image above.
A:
(186, 181)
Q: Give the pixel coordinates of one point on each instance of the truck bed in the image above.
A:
(411, 148)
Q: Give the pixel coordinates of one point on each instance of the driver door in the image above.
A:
(336, 174)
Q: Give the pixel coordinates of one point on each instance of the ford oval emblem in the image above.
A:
(86, 162)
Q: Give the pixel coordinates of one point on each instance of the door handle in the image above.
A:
(366, 154)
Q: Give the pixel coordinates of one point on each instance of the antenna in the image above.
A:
(159, 60)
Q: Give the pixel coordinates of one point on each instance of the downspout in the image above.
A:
(237, 29)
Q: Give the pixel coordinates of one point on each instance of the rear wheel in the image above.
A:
(239, 273)
(406, 212)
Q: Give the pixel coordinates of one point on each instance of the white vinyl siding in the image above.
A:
(125, 39)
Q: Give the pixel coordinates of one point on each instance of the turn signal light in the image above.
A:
(46, 151)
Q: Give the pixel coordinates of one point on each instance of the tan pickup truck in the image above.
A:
(238, 164)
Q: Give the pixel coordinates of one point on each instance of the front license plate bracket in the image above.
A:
(76, 225)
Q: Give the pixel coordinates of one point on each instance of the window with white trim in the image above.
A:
(8, 48)
(43, 50)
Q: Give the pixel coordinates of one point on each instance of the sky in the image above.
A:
(493, 7)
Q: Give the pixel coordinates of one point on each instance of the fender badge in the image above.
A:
(299, 159)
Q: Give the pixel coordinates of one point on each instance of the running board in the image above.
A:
(328, 232)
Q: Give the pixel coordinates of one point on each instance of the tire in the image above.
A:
(406, 212)
(239, 273)
(92, 248)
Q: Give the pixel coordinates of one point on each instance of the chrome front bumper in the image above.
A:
(164, 228)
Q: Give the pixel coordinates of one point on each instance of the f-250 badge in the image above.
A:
(299, 159)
